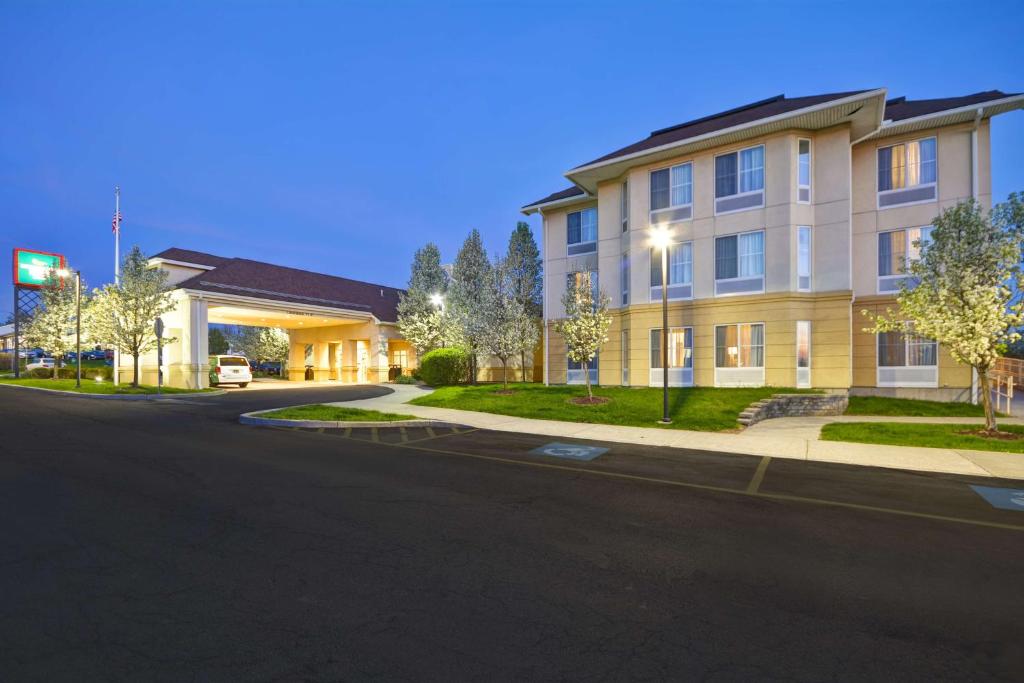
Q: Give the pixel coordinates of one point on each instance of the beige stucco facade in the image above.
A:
(844, 217)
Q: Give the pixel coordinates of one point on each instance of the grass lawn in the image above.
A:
(319, 411)
(908, 407)
(705, 409)
(92, 387)
(928, 435)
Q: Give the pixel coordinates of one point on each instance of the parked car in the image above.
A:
(271, 367)
(229, 370)
(95, 354)
(41, 363)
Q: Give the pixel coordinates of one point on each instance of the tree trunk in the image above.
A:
(504, 373)
(135, 371)
(522, 360)
(586, 376)
(986, 400)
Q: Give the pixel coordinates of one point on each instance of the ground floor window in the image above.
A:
(575, 371)
(400, 357)
(739, 354)
(680, 357)
(803, 354)
(625, 358)
(906, 359)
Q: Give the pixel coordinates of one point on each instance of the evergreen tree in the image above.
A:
(467, 296)
(218, 343)
(420, 320)
(526, 272)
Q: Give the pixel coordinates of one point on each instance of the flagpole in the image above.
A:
(117, 271)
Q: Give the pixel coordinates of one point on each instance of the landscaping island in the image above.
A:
(928, 435)
(90, 386)
(328, 413)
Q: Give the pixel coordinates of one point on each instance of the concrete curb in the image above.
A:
(253, 419)
(119, 397)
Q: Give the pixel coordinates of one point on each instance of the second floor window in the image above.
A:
(896, 250)
(624, 275)
(803, 258)
(680, 271)
(576, 279)
(739, 263)
(581, 234)
(803, 171)
(624, 206)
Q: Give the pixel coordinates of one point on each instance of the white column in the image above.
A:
(195, 343)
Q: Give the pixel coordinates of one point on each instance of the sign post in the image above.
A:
(158, 329)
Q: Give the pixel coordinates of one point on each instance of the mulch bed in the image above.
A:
(998, 436)
(589, 401)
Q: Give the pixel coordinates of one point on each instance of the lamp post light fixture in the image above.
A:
(661, 238)
(64, 273)
(437, 300)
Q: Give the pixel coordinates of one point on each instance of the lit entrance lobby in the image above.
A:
(339, 329)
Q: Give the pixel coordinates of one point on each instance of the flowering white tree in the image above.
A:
(508, 328)
(586, 323)
(968, 286)
(123, 314)
(52, 324)
(467, 297)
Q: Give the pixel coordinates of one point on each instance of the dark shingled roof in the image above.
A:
(561, 194)
(748, 113)
(260, 280)
(901, 108)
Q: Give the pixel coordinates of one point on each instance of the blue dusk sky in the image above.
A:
(339, 137)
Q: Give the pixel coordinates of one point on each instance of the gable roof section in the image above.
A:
(900, 108)
(907, 116)
(188, 256)
(566, 196)
(243, 277)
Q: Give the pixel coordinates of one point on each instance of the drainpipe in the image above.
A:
(974, 195)
(544, 293)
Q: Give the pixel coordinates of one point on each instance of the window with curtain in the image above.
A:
(624, 278)
(803, 258)
(739, 256)
(680, 265)
(739, 172)
(897, 248)
(672, 187)
(906, 349)
(804, 163)
(582, 226)
(739, 346)
(680, 348)
(624, 205)
(906, 165)
(572, 279)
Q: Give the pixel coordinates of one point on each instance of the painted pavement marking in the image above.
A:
(572, 451)
(1004, 499)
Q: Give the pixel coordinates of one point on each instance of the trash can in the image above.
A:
(309, 373)
(394, 372)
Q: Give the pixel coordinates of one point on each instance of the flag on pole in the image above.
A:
(115, 223)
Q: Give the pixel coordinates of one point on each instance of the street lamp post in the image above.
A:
(662, 238)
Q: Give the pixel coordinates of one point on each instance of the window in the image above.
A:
(400, 357)
(624, 206)
(896, 250)
(672, 194)
(680, 357)
(803, 354)
(803, 172)
(803, 258)
(906, 359)
(575, 278)
(625, 358)
(739, 263)
(739, 346)
(624, 277)
(739, 180)
(907, 173)
(574, 374)
(680, 271)
(582, 231)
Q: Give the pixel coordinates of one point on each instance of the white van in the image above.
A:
(229, 370)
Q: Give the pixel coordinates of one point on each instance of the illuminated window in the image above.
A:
(739, 346)
(906, 165)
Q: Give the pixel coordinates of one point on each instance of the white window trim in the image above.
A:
(671, 207)
(810, 259)
(881, 193)
(625, 273)
(906, 354)
(907, 246)
(810, 171)
(624, 205)
(762, 191)
(764, 259)
(568, 244)
(651, 287)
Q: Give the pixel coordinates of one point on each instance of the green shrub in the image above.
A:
(444, 366)
(104, 372)
(38, 373)
(405, 379)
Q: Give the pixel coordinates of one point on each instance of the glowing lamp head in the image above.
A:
(661, 237)
(437, 300)
(64, 272)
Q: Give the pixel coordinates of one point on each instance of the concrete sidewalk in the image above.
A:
(794, 438)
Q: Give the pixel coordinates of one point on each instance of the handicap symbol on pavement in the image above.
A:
(572, 451)
(1004, 499)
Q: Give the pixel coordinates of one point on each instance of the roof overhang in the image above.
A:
(862, 111)
(251, 299)
(159, 261)
(948, 117)
(541, 207)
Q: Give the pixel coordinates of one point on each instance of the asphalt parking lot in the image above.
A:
(164, 541)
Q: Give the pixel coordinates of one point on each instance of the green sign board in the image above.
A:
(31, 267)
